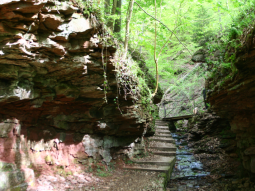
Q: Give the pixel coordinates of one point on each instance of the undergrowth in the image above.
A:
(231, 41)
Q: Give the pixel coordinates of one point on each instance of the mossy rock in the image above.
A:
(4, 167)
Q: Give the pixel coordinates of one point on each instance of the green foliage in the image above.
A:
(234, 32)
(201, 28)
(129, 162)
(212, 25)
(101, 171)
(229, 43)
(194, 22)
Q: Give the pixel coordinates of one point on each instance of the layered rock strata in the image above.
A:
(57, 69)
(233, 97)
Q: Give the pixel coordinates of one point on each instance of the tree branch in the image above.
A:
(164, 26)
(129, 15)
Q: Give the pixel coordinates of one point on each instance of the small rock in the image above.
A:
(82, 180)
(51, 178)
(88, 178)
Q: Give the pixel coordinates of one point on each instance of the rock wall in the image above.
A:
(210, 139)
(54, 67)
(213, 143)
(232, 97)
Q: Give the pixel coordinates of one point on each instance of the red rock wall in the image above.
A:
(235, 99)
(52, 108)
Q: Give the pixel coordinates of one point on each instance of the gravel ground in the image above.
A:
(118, 180)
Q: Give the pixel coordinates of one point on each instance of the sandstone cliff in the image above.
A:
(232, 96)
(57, 69)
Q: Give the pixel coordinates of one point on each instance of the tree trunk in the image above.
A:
(107, 11)
(220, 22)
(117, 25)
(129, 15)
(113, 13)
(106, 7)
(141, 39)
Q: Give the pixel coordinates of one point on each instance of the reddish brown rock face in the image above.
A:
(52, 88)
(235, 100)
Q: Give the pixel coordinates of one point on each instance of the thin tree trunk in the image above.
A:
(155, 55)
(117, 25)
(129, 15)
(113, 13)
(220, 21)
(107, 10)
(141, 38)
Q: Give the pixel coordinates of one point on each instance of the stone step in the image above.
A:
(160, 139)
(162, 135)
(148, 168)
(163, 132)
(162, 128)
(162, 153)
(163, 148)
(161, 144)
(158, 161)
(163, 124)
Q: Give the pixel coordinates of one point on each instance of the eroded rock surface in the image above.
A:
(53, 70)
(232, 97)
(215, 164)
